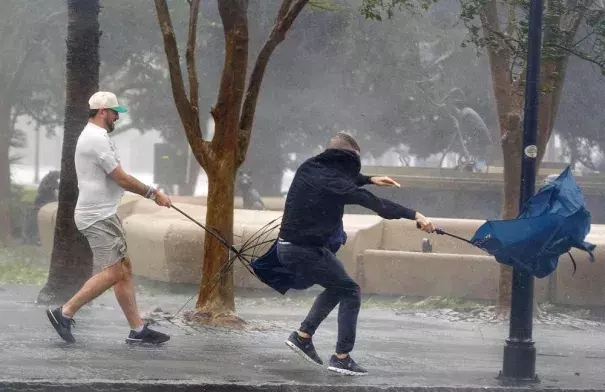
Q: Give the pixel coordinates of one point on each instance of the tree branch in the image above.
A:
(292, 15)
(510, 43)
(283, 10)
(512, 18)
(584, 38)
(491, 24)
(188, 115)
(561, 28)
(585, 57)
(190, 54)
(172, 55)
(288, 12)
(499, 56)
(227, 111)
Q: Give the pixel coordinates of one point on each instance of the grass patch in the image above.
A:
(22, 265)
(22, 273)
(22, 254)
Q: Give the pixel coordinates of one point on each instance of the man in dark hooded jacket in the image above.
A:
(321, 187)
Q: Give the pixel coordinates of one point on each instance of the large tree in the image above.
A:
(71, 260)
(571, 28)
(233, 116)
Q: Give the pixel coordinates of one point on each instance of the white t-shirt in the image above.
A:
(96, 157)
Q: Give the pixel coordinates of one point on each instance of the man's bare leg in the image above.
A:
(94, 287)
(124, 291)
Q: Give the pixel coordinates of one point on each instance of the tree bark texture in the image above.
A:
(233, 116)
(71, 260)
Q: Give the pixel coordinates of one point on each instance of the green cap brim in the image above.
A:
(120, 109)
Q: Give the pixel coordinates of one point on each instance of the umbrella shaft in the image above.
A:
(221, 240)
(454, 236)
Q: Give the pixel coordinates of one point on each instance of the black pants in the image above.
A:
(317, 265)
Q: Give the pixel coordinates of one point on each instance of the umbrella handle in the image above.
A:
(438, 230)
(443, 232)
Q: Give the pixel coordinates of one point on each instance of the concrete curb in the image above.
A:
(101, 385)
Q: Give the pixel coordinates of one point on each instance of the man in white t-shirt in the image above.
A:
(101, 183)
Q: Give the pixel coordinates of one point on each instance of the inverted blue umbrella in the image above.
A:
(550, 223)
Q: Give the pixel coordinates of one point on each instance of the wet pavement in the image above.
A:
(403, 351)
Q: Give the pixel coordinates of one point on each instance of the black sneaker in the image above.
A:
(304, 347)
(147, 335)
(62, 324)
(346, 366)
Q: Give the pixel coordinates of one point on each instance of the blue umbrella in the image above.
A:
(550, 223)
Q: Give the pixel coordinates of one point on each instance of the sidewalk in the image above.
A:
(402, 351)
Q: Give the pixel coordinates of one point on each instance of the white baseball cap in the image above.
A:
(105, 100)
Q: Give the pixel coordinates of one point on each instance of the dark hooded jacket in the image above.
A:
(321, 187)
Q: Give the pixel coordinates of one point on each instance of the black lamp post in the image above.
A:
(519, 362)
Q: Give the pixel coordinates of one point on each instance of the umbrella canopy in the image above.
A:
(550, 223)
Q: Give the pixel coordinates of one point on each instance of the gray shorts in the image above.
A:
(107, 241)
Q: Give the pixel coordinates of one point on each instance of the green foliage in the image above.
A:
(379, 9)
(325, 5)
(22, 200)
(22, 265)
(573, 30)
(562, 21)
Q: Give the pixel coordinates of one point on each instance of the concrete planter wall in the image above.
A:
(384, 256)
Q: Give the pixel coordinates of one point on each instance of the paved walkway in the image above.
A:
(402, 351)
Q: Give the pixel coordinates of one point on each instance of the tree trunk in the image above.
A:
(5, 192)
(233, 117)
(512, 148)
(512, 144)
(216, 297)
(219, 300)
(71, 260)
(552, 75)
(509, 104)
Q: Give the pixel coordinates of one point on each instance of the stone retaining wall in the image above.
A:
(384, 256)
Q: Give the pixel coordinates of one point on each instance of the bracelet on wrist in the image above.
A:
(151, 193)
